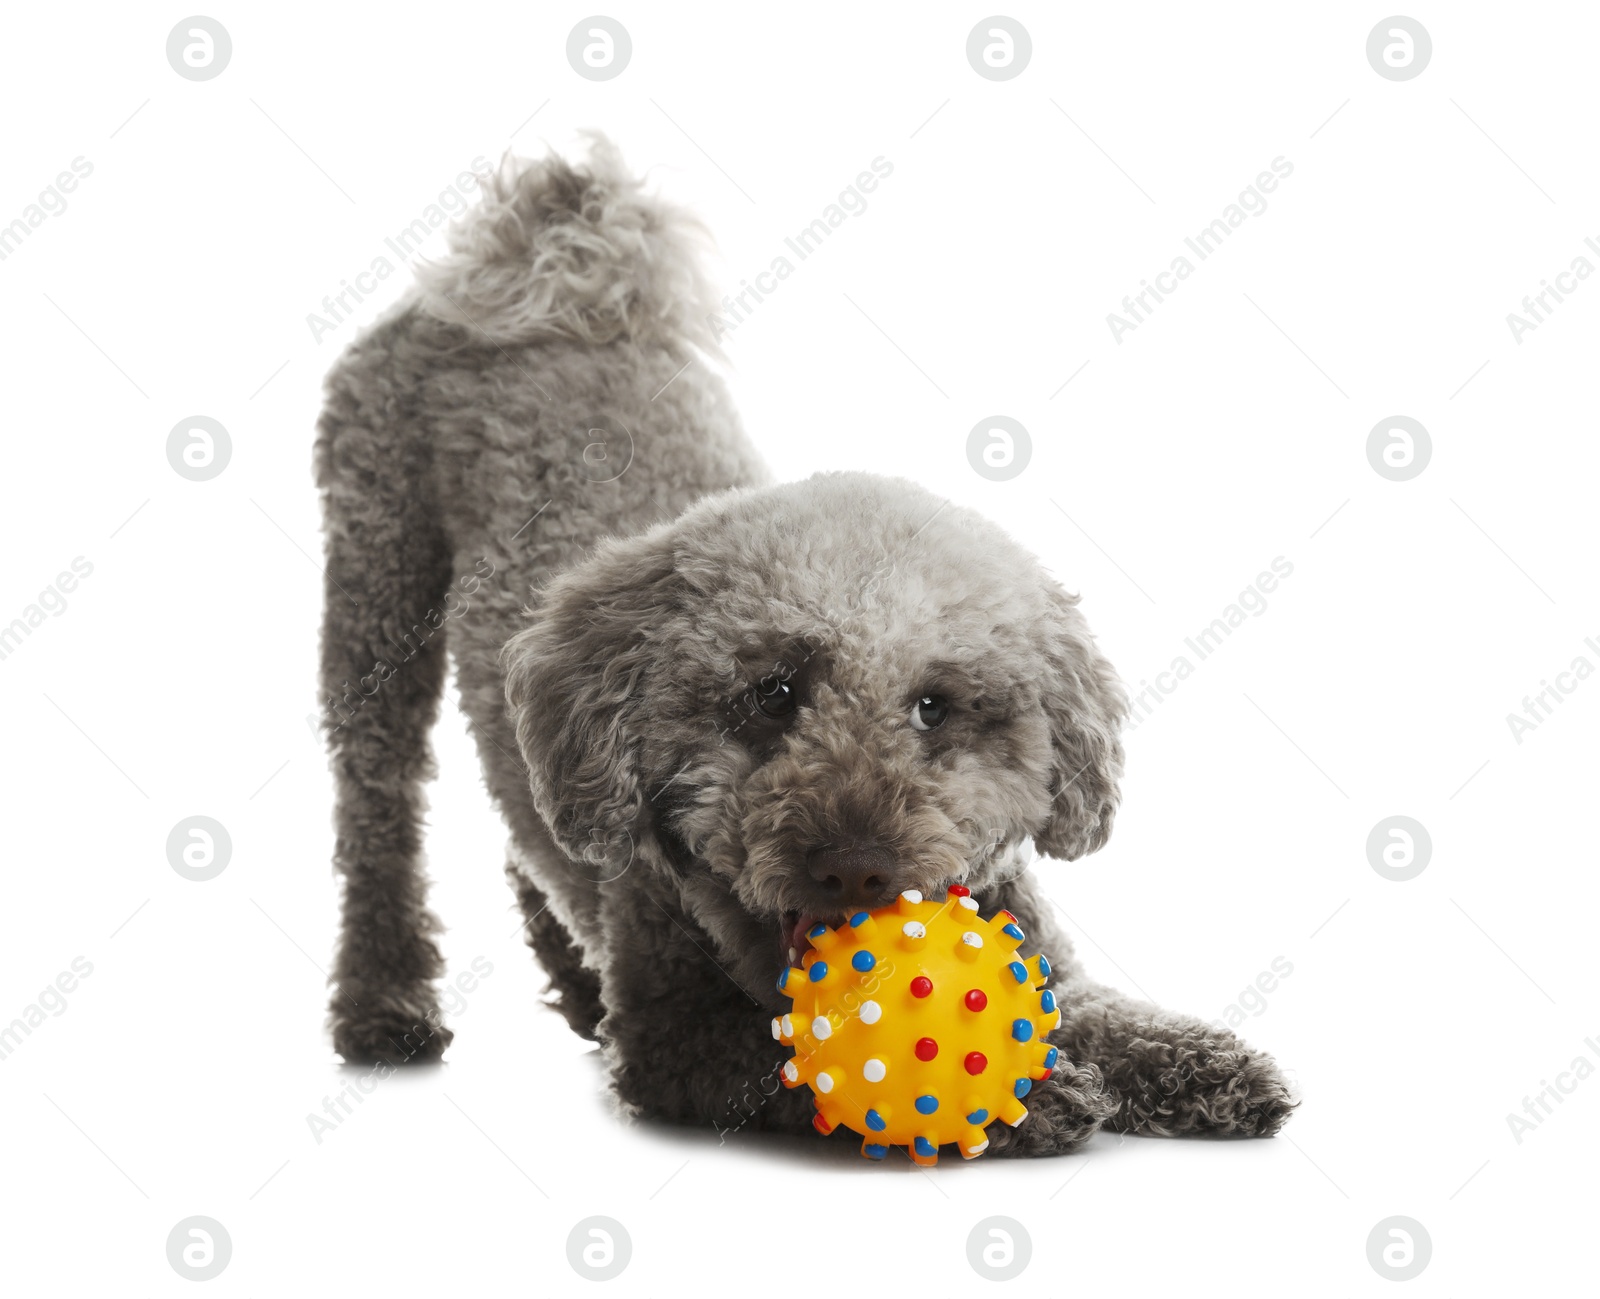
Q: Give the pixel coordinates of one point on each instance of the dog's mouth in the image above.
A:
(795, 928)
(794, 933)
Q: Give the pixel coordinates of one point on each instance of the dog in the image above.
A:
(713, 709)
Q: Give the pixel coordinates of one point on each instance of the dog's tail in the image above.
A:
(577, 251)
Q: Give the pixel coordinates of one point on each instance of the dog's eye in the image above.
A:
(775, 698)
(929, 711)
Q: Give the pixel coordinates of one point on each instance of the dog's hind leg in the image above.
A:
(383, 669)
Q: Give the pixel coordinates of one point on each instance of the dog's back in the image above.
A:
(542, 388)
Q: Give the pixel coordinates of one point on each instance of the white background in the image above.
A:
(179, 678)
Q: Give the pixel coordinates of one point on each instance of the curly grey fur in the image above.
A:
(529, 462)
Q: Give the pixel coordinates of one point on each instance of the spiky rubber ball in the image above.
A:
(917, 1025)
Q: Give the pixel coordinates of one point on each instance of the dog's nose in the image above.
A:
(854, 875)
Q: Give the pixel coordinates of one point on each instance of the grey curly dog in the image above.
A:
(712, 709)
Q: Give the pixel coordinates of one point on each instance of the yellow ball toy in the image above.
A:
(917, 1025)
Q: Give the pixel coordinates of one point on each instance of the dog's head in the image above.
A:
(811, 697)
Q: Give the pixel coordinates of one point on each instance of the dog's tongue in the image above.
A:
(793, 941)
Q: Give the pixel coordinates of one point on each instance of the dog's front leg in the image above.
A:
(686, 1042)
(1064, 1111)
(1168, 1074)
(700, 1065)
(1172, 1074)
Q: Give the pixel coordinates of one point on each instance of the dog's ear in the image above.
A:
(577, 687)
(1084, 703)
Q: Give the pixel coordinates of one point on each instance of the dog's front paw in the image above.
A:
(387, 1030)
(1064, 1111)
(1257, 1100)
(1213, 1085)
